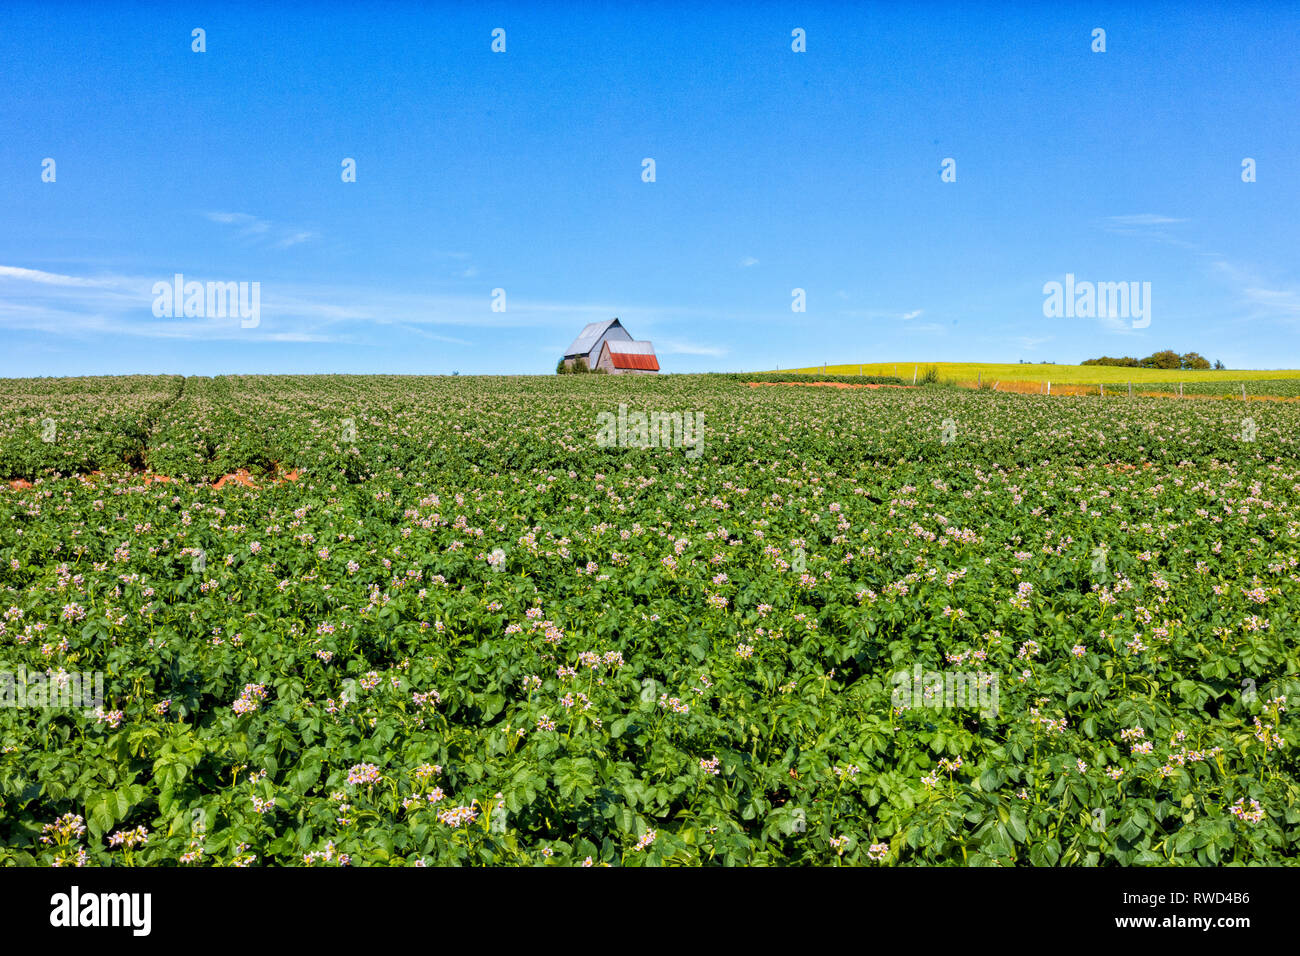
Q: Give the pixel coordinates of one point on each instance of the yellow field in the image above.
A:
(969, 372)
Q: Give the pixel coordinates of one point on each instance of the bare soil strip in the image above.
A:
(240, 476)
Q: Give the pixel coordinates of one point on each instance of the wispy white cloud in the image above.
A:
(1148, 226)
(1143, 219)
(893, 316)
(295, 238)
(240, 218)
(1281, 301)
(250, 227)
(47, 278)
(748, 261)
(122, 305)
(1258, 297)
(1117, 324)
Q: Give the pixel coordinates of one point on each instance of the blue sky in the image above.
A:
(522, 171)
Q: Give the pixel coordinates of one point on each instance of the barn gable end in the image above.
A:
(628, 358)
(590, 340)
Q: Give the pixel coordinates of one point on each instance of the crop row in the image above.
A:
(359, 426)
(862, 626)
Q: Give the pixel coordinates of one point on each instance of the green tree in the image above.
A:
(1166, 358)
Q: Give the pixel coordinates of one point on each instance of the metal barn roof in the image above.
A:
(640, 358)
(590, 335)
(646, 363)
(634, 348)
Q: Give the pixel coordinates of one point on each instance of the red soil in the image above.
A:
(241, 477)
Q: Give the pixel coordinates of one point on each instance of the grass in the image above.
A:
(969, 372)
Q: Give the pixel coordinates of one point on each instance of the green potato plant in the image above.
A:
(863, 627)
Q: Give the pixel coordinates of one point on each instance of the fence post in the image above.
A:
(1130, 389)
(1180, 389)
(1049, 386)
(1243, 391)
(1103, 391)
(914, 370)
(980, 380)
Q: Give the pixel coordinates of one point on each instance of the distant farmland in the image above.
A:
(968, 373)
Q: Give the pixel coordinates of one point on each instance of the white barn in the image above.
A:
(591, 338)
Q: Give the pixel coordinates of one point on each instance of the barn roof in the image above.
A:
(634, 355)
(589, 336)
(636, 348)
(645, 363)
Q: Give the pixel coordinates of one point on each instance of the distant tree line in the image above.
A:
(1165, 359)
